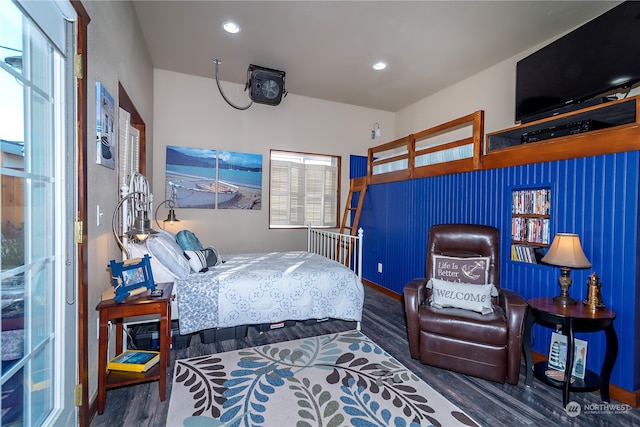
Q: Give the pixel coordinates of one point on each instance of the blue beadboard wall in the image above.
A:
(596, 197)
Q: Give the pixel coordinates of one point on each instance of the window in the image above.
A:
(37, 150)
(305, 188)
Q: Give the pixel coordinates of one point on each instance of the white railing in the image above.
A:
(343, 248)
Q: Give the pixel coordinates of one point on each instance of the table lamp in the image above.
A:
(566, 252)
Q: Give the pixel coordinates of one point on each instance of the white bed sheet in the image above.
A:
(251, 289)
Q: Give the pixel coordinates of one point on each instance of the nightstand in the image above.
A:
(139, 305)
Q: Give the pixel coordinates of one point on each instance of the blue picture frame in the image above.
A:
(129, 275)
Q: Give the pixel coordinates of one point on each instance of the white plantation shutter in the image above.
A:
(304, 189)
(128, 148)
(330, 202)
(296, 194)
(315, 194)
(134, 150)
(279, 201)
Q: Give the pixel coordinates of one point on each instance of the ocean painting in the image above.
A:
(209, 179)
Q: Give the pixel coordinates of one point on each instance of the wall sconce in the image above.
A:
(141, 228)
(171, 217)
(375, 132)
(566, 252)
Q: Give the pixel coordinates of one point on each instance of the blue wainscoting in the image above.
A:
(596, 197)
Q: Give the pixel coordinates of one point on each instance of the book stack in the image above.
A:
(134, 361)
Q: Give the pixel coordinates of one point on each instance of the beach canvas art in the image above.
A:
(210, 179)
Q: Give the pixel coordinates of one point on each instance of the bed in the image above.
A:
(214, 291)
(268, 288)
(261, 288)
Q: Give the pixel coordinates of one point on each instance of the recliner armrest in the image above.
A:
(415, 293)
(515, 308)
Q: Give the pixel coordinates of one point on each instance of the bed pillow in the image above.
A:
(160, 274)
(466, 270)
(168, 234)
(188, 241)
(462, 295)
(201, 261)
(169, 254)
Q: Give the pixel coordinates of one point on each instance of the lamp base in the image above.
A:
(565, 283)
(564, 300)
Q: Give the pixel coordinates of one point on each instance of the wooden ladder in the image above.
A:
(357, 185)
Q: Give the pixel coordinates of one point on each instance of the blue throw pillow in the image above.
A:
(188, 241)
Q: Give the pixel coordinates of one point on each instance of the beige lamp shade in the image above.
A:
(566, 251)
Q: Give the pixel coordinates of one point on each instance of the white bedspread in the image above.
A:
(253, 289)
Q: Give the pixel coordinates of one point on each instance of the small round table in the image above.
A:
(572, 318)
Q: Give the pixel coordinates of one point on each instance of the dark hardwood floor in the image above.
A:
(490, 404)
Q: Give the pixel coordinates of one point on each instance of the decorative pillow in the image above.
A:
(188, 241)
(462, 295)
(168, 234)
(200, 261)
(169, 254)
(160, 274)
(466, 270)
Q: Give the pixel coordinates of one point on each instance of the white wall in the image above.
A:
(116, 53)
(492, 90)
(190, 112)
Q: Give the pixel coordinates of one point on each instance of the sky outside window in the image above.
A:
(11, 89)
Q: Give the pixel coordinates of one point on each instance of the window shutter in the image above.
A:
(304, 189)
(129, 148)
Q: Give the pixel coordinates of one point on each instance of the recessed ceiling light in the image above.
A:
(379, 65)
(231, 27)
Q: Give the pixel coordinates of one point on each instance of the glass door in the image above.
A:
(36, 215)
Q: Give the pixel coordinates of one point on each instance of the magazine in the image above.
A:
(134, 361)
(558, 355)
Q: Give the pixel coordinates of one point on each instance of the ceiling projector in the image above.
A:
(266, 86)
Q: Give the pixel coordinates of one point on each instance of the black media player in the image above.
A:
(572, 128)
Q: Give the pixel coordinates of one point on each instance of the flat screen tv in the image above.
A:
(596, 58)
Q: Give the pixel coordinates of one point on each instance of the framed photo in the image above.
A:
(131, 274)
(105, 128)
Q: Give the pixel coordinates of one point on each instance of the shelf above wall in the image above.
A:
(621, 132)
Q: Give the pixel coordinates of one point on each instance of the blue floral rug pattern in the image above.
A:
(342, 379)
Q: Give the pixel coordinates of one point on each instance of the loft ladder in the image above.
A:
(357, 185)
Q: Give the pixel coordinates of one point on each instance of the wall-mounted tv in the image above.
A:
(596, 58)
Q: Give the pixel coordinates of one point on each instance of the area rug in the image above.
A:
(342, 379)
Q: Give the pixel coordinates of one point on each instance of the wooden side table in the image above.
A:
(574, 318)
(139, 305)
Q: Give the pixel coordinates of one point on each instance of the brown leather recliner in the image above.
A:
(487, 346)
